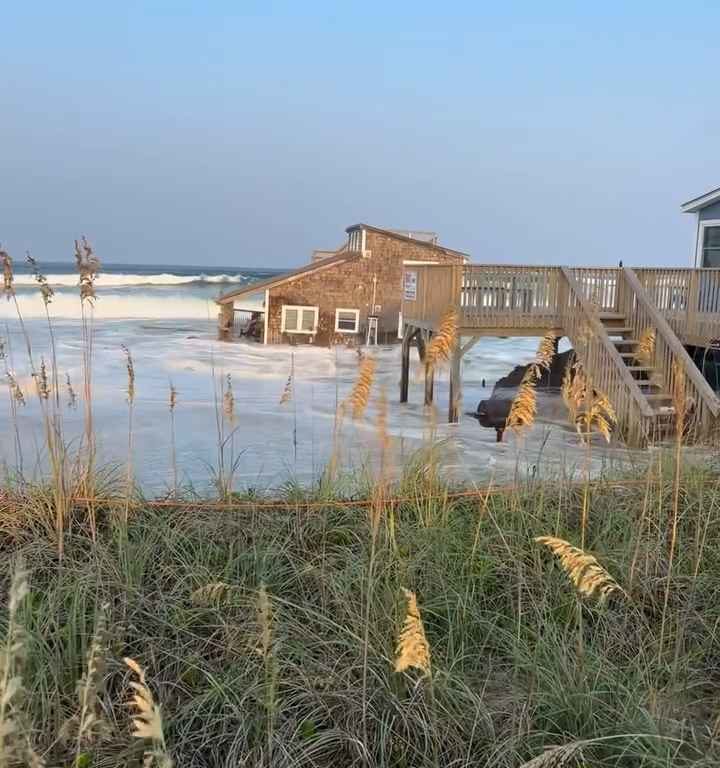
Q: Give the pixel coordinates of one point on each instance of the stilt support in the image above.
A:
(405, 365)
(455, 400)
(226, 320)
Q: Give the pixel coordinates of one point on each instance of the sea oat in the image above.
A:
(557, 757)
(585, 572)
(443, 341)
(41, 380)
(173, 397)
(524, 405)
(360, 395)
(7, 267)
(15, 391)
(147, 721)
(88, 724)
(287, 393)
(545, 353)
(88, 266)
(45, 289)
(130, 367)
(413, 649)
(72, 397)
(15, 733)
(213, 593)
(264, 618)
(645, 353)
(229, 400)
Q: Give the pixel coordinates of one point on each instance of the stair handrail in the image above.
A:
(663, 328)
(601, 333)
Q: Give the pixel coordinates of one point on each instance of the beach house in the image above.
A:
(706, 253)
(352, 294)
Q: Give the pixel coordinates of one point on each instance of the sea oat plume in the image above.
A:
(229, 400)
(265, 618)
(15, 391)
(173, 397)
(213, 593)
(524, 406)
(72, 397)
(588, 576)
(287, 392)
(645, 354)
(130, 367)
(8, 278)
(563, 756)
(147, 721)
(360, 395)
(545, 354)
(41, 379)
(88, 266)
(441, 345)
(413, 649)
(46, 290)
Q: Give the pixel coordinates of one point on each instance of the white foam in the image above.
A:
(115, 306)
(110, 280)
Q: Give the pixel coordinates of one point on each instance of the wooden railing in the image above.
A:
(602, 361)
(599, 286)
(669, 357)
(509, 297)
(689, 299)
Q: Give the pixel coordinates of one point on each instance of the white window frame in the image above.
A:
(702, 225)
(356, 312)
(299, 309)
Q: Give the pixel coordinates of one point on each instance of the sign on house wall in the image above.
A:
(410, 285)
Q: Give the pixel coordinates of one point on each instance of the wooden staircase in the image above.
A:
(657, 396)
(606, 342)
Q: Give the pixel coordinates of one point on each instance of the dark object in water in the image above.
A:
(493, 412)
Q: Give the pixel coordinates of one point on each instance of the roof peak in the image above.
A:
(698, 203)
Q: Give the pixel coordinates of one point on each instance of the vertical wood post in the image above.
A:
(405, 366)
(226, 319)
(455, 399)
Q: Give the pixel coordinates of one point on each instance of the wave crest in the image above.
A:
(110, 280)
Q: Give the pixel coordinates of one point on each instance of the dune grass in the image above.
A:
(250, 629)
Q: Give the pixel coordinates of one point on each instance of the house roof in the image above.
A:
(698, 203)
(415, 240)
(314, 266)
(325, 263)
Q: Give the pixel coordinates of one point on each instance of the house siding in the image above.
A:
(350, 285)
(710, 212)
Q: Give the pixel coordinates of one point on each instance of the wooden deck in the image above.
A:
(603, 312)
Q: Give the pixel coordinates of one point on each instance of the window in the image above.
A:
(710, 234)
(299, 319)
(347, 320)
(356, 240)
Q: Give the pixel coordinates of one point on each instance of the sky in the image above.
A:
(249, 133)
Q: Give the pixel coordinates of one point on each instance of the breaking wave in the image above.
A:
(110, 280)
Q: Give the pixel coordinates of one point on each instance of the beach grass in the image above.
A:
(251, 627)
(360, 621)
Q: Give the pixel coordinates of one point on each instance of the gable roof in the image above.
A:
(698, 203)
(308, 269)
(405, 239)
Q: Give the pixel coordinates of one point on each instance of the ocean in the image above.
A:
(166, 316)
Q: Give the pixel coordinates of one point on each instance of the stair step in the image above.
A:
(613, 330)
(658, 397)
(622, 342)
(640, 368)
(611, 316)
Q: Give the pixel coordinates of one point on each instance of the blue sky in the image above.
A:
(249, 133)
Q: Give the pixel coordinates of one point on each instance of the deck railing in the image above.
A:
(601, 359)
(689, 299)
(509, 297)
(668, 355)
